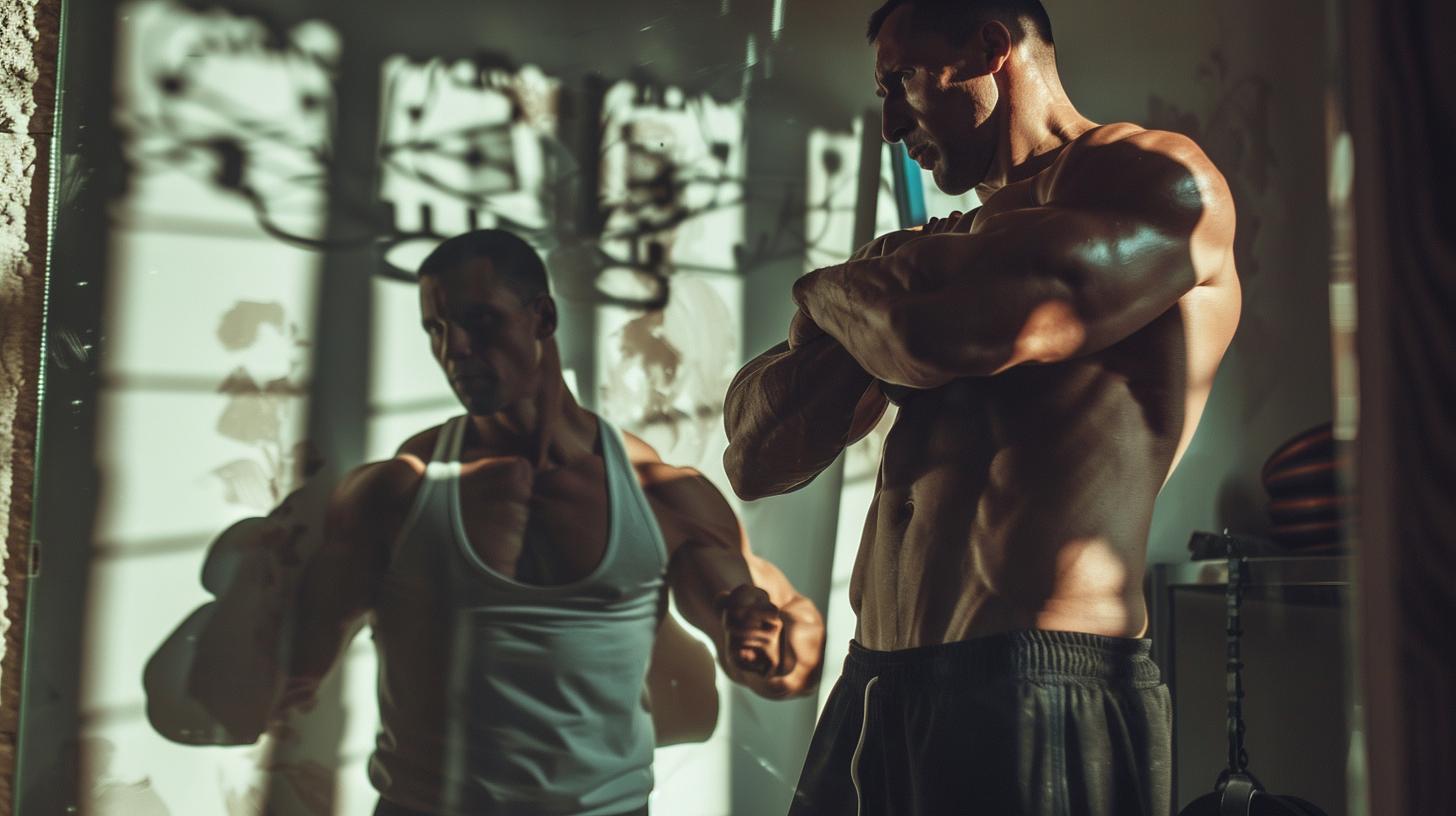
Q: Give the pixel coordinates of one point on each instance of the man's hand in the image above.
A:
(762, 642)
(803, 328)
(751, 630)
(951, 223)
(888, 243)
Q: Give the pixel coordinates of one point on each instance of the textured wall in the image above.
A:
(1256, 106)
(28, 39)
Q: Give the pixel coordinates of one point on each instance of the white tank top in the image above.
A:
(499, 696)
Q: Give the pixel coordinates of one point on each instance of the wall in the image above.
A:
(1242, 79)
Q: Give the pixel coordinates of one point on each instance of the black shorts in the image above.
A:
(1021, 723)
(388, 808)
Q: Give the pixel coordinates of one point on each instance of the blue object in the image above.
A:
(909, 187)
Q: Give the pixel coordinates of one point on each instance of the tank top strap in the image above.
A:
(442, 466)
(451, 439)
(641, 540)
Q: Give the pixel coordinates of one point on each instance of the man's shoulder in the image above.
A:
(422, 444)
(1128, 164)
(684, 492)
(1097, 141)
(378, 491)
(1154, 177)
(652, 472)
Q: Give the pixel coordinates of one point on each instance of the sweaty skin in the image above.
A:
(1051, 354)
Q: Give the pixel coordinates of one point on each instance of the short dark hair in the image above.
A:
(515, 261)
(958, 18)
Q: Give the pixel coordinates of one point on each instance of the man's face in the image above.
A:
(938, 101)
(488, 343)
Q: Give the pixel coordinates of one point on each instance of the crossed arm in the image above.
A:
(1034, 286)
(1123, 231)
(792, 409)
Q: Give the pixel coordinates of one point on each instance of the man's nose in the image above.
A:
(895, 121)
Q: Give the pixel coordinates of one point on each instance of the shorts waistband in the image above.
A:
(1029, 654)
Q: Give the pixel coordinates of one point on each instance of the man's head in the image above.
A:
(485, 303)
(937, 64)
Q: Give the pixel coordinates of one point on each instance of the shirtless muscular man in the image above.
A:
(1051, 354)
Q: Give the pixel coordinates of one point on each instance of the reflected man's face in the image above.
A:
(938, 100)
(488, 343)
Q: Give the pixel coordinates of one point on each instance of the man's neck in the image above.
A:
(1039, 121)
(548, 429)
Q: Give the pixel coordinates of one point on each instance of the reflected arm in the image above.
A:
(732, 595)
(338, 585)
(803, 626)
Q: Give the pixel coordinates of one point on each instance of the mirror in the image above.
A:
(248, 188)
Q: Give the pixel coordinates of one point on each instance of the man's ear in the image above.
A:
(993, 42)
(545, 307)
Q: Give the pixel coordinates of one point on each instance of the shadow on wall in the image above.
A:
(1273, 381)
(215, 678)
(673, 368)
(1237, 136)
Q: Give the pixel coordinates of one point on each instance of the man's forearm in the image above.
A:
(791, 411)
(1037, 286)
(945, 307)
(699, 573)
(855, 303)
(321, 621)
(313, 650)
(788, 414)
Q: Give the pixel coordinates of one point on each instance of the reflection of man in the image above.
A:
(514, 562)
(1051, 354)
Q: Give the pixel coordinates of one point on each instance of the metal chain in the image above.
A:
(1238, 758)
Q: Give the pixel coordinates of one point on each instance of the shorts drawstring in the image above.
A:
(864, 726)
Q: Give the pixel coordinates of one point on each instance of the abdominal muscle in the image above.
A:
(992, 515)
(1074, 585)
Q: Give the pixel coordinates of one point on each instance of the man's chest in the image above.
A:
(550, 526)
(1121, 404)
(542, 527)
